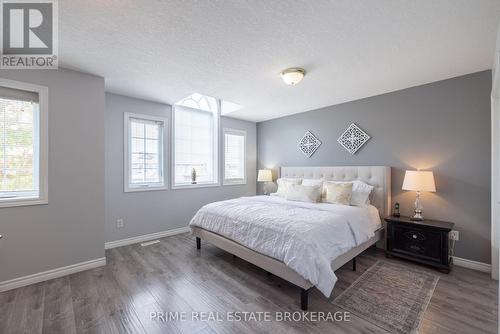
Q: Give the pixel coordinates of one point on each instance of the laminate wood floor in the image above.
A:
(173, 276)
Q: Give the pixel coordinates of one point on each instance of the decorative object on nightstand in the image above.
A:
(266, 176)
(396, 212)
(425, 241)
(417, 180)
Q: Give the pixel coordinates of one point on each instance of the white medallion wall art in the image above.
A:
(309, 144)
(353, 138)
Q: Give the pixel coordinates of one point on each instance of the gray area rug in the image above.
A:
(392, 296)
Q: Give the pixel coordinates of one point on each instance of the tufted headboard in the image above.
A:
(377, 176)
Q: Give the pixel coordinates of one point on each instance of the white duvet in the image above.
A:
(307, 237)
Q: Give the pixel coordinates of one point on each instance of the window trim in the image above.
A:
(236, 132)
(217, 182)
(43, 166)
(126, 155)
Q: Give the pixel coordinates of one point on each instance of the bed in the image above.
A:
(303, 243)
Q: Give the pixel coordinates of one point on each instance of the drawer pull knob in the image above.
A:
(414, 236)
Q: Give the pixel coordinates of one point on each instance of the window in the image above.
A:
(196, 123)
(234, 157)
(144, 152)
(23, 144)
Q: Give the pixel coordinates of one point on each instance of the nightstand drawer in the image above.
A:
(422, 243)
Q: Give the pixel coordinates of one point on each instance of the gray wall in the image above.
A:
(70, 229)
(155, 211)
(443, 127)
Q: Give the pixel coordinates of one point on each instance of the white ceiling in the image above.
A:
(166, 50)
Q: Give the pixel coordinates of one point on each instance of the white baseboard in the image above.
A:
(145, 237)
(77, 267)
(474, 265)
(51, 274)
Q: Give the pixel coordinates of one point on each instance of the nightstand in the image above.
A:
(424, 241)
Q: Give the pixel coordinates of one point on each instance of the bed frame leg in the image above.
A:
(198, 243)
(304, 299)
(354, 264)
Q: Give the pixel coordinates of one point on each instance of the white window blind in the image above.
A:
(195, 146)
(19, 144)
(234, 156)
(145, 165)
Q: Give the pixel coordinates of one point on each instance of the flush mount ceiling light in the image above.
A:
(292, 76)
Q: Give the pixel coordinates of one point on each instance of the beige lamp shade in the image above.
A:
(265, 175)
(417, 180)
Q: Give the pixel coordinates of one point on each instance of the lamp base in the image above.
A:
(266, 188)
(418, 216)
(418, 209)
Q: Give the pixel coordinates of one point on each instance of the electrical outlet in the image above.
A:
(454, 235)
(119, 223)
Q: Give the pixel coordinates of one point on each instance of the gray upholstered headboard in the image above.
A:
(377, 176)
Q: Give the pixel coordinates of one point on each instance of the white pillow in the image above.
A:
(325, 182)
(312, 182)
(338, 192)
(284, 185)
(297, 192)
(361, 193)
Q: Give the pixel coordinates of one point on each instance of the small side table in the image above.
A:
(426, 241)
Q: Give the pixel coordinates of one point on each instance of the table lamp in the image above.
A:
(266, 176)
(416, 180)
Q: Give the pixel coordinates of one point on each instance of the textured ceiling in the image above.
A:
(166, 50)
